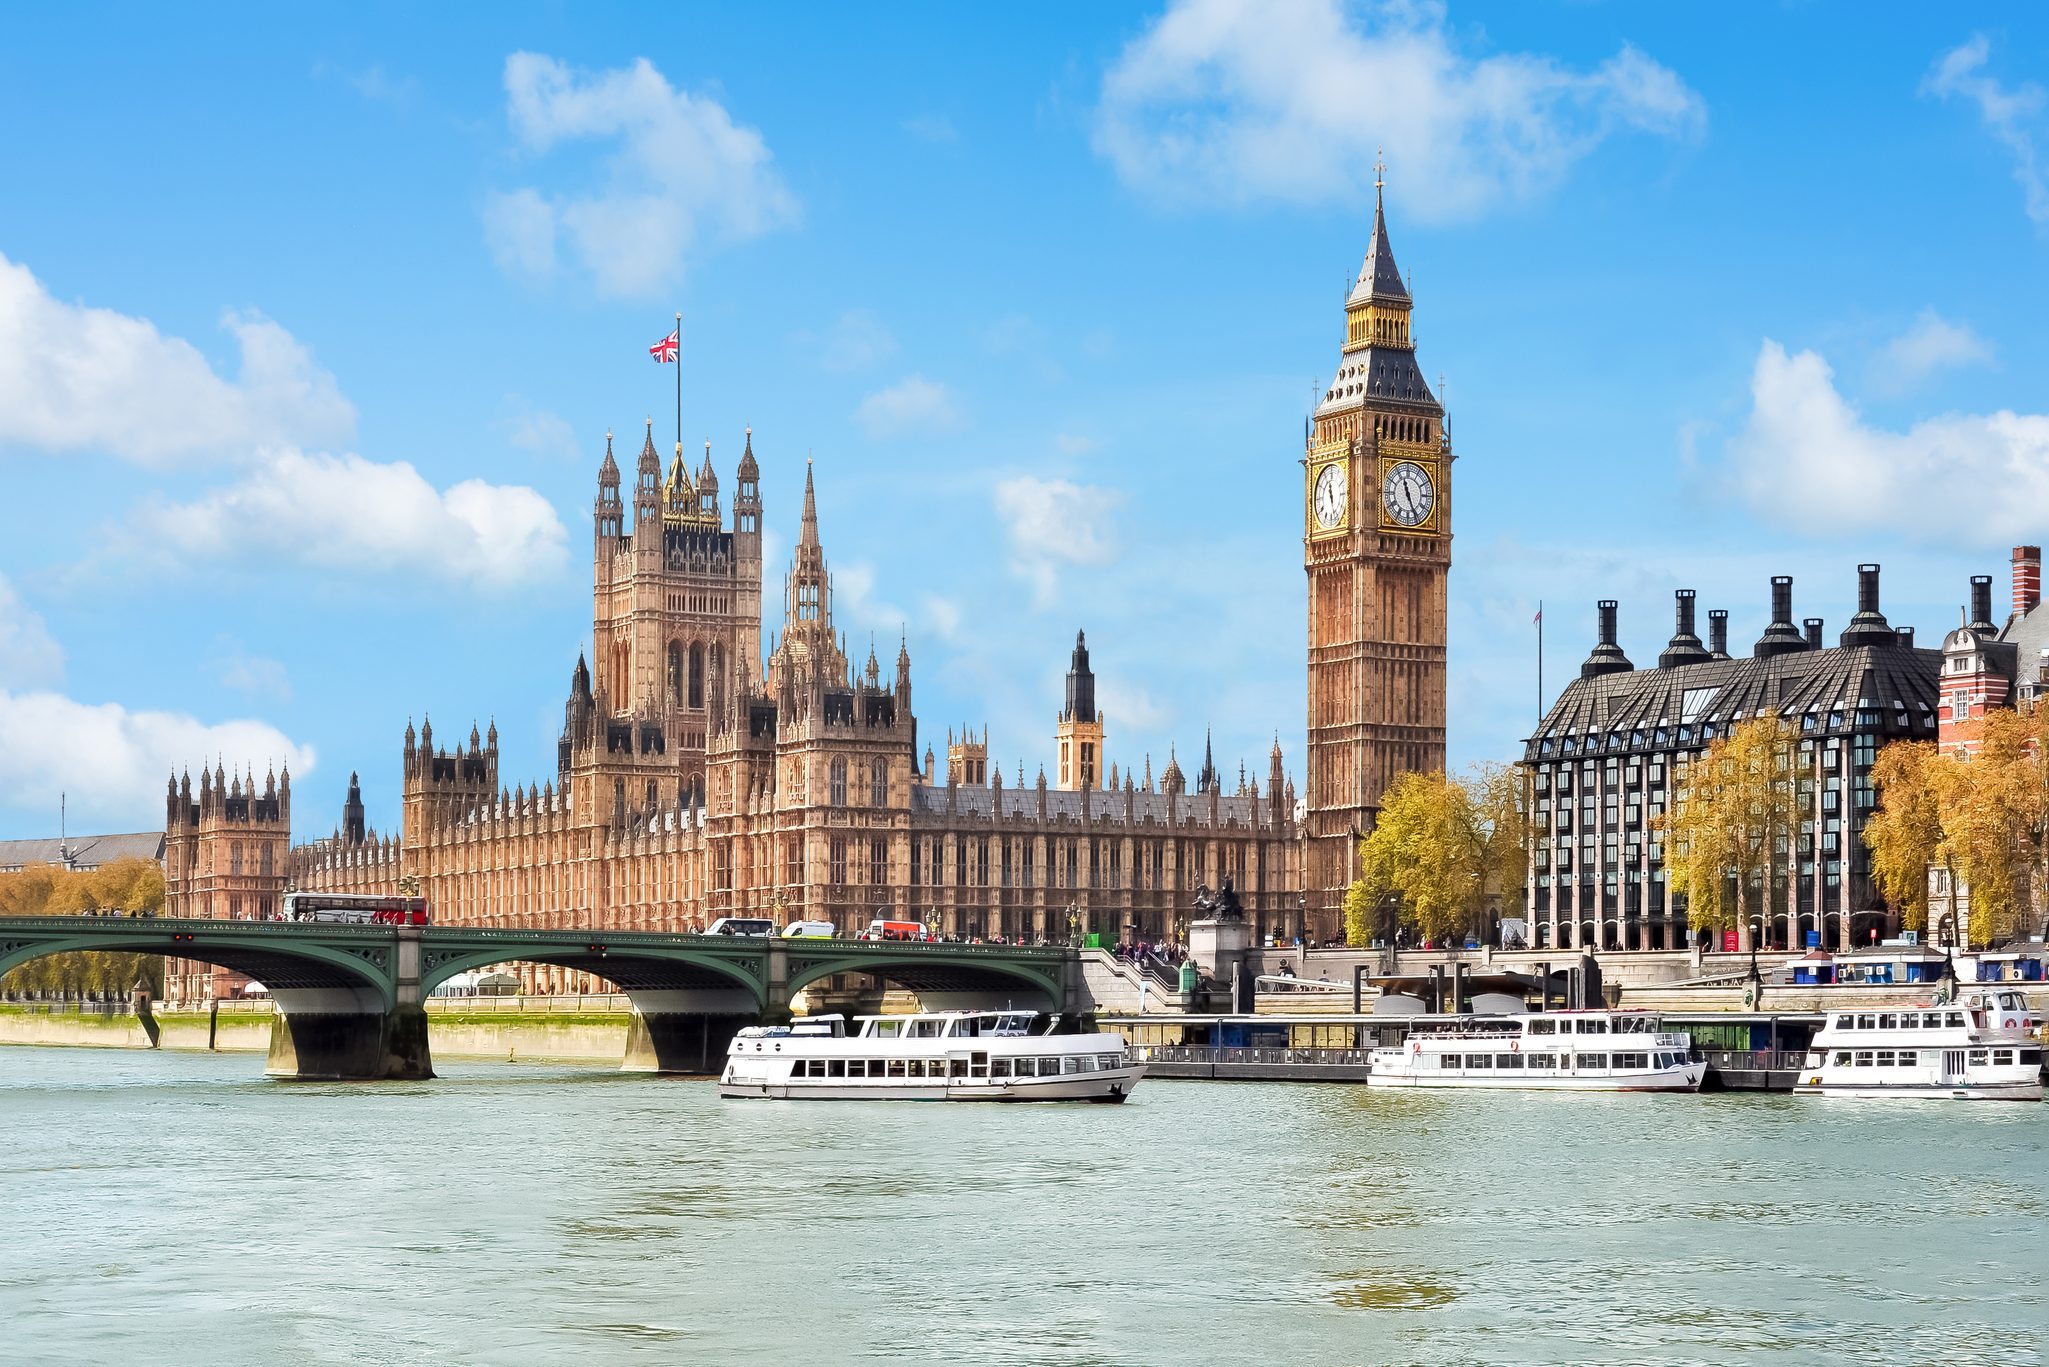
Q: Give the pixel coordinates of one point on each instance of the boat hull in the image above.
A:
(1108, 1086)
(1928, 1091)
(1687, 1079)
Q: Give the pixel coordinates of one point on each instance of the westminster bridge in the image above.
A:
(350, 998)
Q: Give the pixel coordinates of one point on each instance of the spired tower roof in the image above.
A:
(1378, 364)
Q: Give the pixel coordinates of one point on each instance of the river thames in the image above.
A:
(179, 1208)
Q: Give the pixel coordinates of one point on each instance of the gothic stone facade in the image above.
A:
(696, 780)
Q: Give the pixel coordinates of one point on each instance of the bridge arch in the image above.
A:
(280, 957)
(935, 969)
(634, 969)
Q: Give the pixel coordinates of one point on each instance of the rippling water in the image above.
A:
(169, 1208)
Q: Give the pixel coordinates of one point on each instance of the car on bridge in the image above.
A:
(742, 925)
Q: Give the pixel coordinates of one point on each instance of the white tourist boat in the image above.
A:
(934, 1056)
(1563, 1051)
(1980, 1047)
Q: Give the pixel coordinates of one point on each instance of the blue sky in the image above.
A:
(312, 324)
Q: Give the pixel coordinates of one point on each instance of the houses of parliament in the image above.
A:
(698, 776)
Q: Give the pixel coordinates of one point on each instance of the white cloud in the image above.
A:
(1053, 524)
(79, 378)
(1239, 100)
(1073, 444)
(256, 675)
(2010, 114)
(857, 341)
(1130, 707)
(933, 128)
(912, 406)
(111, 763)
(345, 512)
(1933, 343)
(680, 170)
(944, 614)
(29, 657)
(1807, 454)
(537, 430)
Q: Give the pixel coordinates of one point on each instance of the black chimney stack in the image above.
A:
(1718, 633)
(1812, 627)
(1868, 627)
(1981, 603)
(1607, 657)
(1780, 635)
(1685, 647)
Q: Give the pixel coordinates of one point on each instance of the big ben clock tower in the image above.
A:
(1377, 547)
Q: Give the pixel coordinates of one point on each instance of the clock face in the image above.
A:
(1407, 494)
(1330, 496)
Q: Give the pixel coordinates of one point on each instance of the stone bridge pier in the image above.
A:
(355, 1033)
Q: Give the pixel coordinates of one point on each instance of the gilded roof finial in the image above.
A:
(1379, 170)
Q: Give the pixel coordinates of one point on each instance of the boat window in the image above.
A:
(1027, 1067)
(978, 1065)
(999, 1067)
(1910, 1057)
(1884, 1059)
(888, 1029)
(1978, 1056)
(1509, 1061)
(1842, 1058)
(896, 1068)
(1631, 1061)
(836, 1067)
(1910, 1020)
(1592, 1027)
(1451, 1062)
(1846, 1022)
(1869, 1022)
(2010, 1001)
(1593, 1060)
(2002, 1056)
(1956, 1018)
(1109, 1061)
(1888, 1021)
(2033, 1056)
(1542, 1061)
(1540, 1027)
(1479, 1061)
(1863, 1058)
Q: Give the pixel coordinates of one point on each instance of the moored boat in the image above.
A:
(933, 1056)
(1979, 1047)
(1565, 1051)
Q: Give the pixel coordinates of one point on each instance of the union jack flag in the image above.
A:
(664, 351)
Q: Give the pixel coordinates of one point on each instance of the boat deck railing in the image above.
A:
(1210, 1053)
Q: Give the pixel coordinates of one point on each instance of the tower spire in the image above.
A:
(809, 536)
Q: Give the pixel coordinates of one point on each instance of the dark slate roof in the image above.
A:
(1897, 681)
(1378, 277)
(81, 851)
(2029, 635)
(1377, 372)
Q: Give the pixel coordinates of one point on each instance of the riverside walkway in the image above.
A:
(349, 997)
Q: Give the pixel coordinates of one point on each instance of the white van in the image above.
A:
(742, 925)
(810, 930)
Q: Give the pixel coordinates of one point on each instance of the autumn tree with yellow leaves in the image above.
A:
(1730, 824)
(1983, 818)
(1448, 850)
(121, 887)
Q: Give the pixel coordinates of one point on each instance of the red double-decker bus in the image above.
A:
(353, 908)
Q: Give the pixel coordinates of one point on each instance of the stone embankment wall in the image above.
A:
(597, 1037)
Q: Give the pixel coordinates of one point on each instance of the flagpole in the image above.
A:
(1540, 659)
(679, 381)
